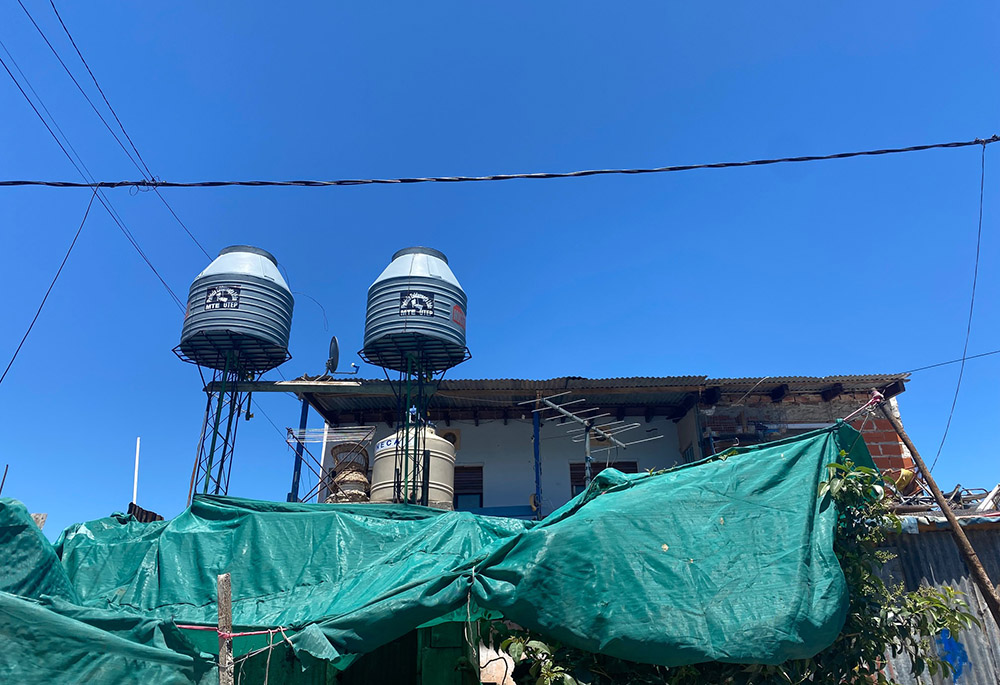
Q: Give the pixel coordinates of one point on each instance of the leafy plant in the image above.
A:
(882, 618)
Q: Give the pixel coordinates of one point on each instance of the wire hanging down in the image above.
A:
(972, 306)
(51, 285)
(156, 183)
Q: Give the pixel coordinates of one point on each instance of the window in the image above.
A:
(577, 472)
(468, 488)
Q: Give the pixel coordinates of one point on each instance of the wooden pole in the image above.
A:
(225, 601)
(979, 575)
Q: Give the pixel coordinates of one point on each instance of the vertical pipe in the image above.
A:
(406, 438)
(215, 427)
(536, 424)
(425, 496)
(293, 495)
(588, 458)
(4, 480)
(135, 476)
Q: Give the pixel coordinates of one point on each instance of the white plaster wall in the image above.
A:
(507, 457)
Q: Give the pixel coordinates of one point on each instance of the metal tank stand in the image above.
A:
(213, 463)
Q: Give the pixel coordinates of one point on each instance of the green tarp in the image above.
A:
(730, 559)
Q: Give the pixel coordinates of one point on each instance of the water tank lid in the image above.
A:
(245, 259)
(252, 250)
(418, 262)
(421, 250)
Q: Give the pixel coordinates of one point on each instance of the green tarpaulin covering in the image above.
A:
(730, 559)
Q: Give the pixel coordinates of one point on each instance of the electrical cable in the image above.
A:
(100, 195)
(953, 361)
(972, 306)
(79, 87)
(144, 168)
(156, 183)
(55, 278)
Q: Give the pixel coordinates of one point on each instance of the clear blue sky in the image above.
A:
(857, 266)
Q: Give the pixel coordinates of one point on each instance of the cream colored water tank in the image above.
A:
(441, 482)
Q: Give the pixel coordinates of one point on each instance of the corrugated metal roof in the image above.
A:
(932, 558)
(664, 394)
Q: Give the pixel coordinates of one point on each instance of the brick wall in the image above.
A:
(889, 454)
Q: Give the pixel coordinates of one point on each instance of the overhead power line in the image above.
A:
(156, 183)
(55, 278)
(100, 195)
(954, 361)
(141, 165)
(972, 306)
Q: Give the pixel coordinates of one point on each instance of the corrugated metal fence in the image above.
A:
(931, 558)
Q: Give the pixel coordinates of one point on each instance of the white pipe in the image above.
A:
(135, 477)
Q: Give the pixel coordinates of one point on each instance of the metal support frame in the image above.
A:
(293, 494)
(213, 462)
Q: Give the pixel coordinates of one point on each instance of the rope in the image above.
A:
(156, 183)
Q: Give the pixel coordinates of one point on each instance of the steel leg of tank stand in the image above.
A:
(293, 496)
(406, 439)
(215, 427)
(536, 423)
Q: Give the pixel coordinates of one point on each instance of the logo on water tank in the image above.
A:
(458, 316)
(223, 297)
(415, 303)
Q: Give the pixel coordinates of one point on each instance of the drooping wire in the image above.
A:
(972, 306)
(100, 195)
(156, 183)
(144, 168)
(55, 278)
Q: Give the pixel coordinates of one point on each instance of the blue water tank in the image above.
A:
(239, 304)
(416, 311)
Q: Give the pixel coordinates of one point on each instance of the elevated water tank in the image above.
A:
(416, 309)
(440, 482)
(241, 304)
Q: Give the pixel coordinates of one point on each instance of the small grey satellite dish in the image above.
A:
(334, 359)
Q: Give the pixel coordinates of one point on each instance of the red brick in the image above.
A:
(882, 463)
(895, 450)
(882, 424)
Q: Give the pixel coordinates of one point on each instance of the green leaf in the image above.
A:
(515, 651)
(539, 647)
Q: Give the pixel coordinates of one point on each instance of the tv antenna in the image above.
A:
(589, 424)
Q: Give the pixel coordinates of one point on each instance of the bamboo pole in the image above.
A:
(979, 575)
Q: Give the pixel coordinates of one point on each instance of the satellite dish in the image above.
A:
(334, 360)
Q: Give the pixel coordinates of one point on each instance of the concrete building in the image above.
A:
(690, 417)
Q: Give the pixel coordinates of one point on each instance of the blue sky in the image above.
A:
(856, 266)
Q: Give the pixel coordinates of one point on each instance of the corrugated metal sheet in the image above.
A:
(665, 393)
(932, 558)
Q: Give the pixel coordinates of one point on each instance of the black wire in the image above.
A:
(156, 183)
(51, 285)
(953, 361)
(972, 306)
(99, 89)
(100, 195)
(80, 88)
(148, 172)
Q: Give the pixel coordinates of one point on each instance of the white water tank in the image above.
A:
(441, 481)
